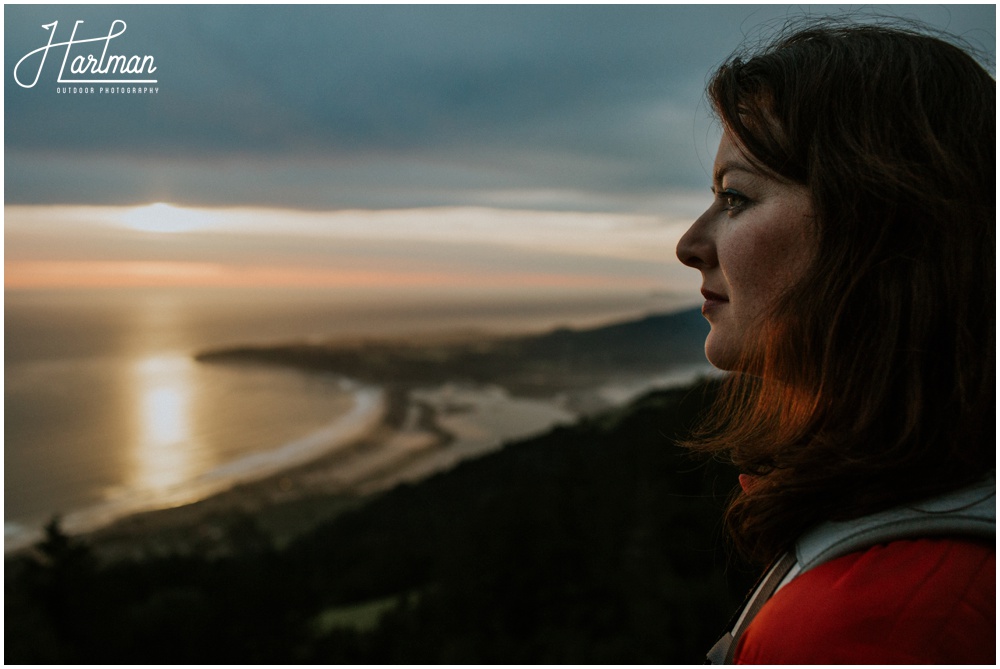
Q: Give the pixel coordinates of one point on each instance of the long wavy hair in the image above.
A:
(874, 381)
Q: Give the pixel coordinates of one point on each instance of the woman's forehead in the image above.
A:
(730, 159)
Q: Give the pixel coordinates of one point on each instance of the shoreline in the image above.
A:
(368, 413)
(416, 433)
(411, 433)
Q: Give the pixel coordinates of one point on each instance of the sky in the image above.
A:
(509, 145)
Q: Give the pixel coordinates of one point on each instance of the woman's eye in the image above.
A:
(731, 200)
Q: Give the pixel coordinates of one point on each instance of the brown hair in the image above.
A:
(877, 384)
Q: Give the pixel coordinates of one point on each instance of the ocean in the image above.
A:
(107, 413)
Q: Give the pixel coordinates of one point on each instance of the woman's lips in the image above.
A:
(712, 301)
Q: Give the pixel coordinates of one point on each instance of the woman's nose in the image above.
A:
(696, 247)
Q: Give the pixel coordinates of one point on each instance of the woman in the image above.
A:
(848, 266)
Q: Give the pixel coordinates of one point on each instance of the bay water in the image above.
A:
(107, 413)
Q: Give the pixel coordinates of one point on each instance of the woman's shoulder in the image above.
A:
(911, 601)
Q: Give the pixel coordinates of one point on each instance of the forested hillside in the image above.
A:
(596, 543)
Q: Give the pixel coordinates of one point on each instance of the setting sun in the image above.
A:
(163, 217)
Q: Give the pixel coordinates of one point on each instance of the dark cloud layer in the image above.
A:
(368, 106)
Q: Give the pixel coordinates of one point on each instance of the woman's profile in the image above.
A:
(848, 270)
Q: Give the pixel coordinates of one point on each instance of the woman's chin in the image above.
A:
(720, 355)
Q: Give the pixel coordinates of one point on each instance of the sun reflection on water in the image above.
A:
(165, 452)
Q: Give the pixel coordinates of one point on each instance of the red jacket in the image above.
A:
(923, 601)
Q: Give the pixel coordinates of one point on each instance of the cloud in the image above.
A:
(385, 106)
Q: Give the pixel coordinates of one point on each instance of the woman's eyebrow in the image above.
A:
(727, 167)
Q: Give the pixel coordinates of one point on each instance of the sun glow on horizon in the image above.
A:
(167, 218)
(164, 244)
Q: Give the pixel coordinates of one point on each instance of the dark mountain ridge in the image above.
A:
(526, 364)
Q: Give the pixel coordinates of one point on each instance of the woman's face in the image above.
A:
(753, 243)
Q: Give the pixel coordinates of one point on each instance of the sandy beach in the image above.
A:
(393, 436)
